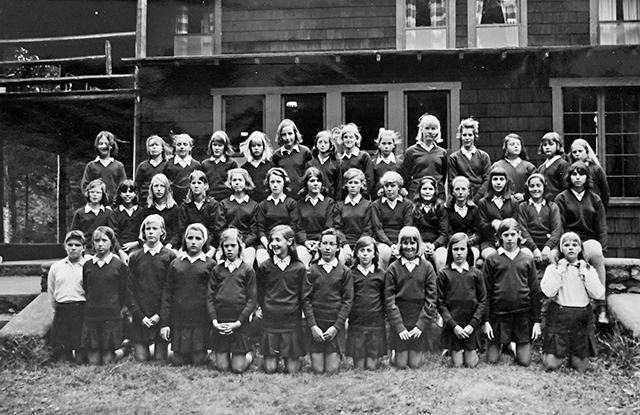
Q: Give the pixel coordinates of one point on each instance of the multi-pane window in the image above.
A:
(496, 23)
(194, 29)
(619, 22)
(609, 119)
(426, 24)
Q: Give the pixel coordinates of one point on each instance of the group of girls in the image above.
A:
(278, 205)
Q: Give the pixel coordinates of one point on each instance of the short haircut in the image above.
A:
(278, 171)
(351, 128)
(411, 233)
(469, 123)
(97, 183)
(363, 242)
(123, 187)
(555, 138)
(332, 232)
(149, 219)
(249, 185)
(200, 228)
(582, 168)
(514, 136)
(71, 235)
(354, 173)
(109, 233)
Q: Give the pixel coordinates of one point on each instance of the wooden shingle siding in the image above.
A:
(558, 23)
(290, 26)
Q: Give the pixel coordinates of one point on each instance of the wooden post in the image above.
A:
(2, 188)
(107, 58)
(63, 187)
(141, 30)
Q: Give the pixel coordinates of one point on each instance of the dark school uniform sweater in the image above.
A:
(331, 173)
(488, 211)
(410, 297)
(467, 224)
(127, 228)
(379, 169)
(293, 163)
(144, 173)
(280, 295)
(148, 274)
(475, 169)
(354, 221)
(242, 216)
(364, 163)
(312, 220)
(367, 312)
(418, 163)
(432, 224)
(170, 216)
(258, 176)
(600, 184)
(269, 215)
(179, 178)
(555, 176)
(184, 298)
(105, 289)
(88, 222)
(587, 217)
(112, 176)
(232, 296)
(512, 285)
(540, 229)
(518, 175)
(206, 215)
(386, 222)
(462, 297)
(327, 297)
(217, 176)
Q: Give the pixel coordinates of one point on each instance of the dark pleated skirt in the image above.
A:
(288, 344)
(237, 343)
(416, 345)
(362, 344)
(448, 340)
(335, 345)
(190, 339)
(515, 327)
(102, 334)
(569, 331)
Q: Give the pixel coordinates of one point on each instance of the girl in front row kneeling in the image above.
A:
(279, 281)
(513, 296)
(184, 317)
(326, 301)
(410, 297)
(231, 300)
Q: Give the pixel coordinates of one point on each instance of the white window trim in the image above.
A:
(334, 103)
(557, 108)
(472, 38)
(401, 24)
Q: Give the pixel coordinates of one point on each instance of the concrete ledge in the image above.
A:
(34, 321)
(626, 309)
(20, 268)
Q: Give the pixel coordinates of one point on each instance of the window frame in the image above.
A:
(401, 25)
(557, 107)
(216, 35)
(594, 23)
(472, 25)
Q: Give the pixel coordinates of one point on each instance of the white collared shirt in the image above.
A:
(314, 200)
(462, 211)
(88, 208)
(552, 160)
(201, 256)
(461, 268)
(183, 162)
(102, 262)
(424, 145)
(515, 162)
(219, 160)
(161, 207)
(578, 196)
(426, 208)
(468, 153)
(323, 160)
(538, 206)
(256, 163)
(199, 204)
(282, 263)
(280, 199)
(129, 211)
(105, 162)
(498, 201)
(510, 255)
(355, 152)
(232, 266)
(388, 160)
(353, 200)
(392, 203)
(366, 271)
(243, 199)
(153, 250)
(295, 148)
(328, 266)
(410, 264)
(154, 162)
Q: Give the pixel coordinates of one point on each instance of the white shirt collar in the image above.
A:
(498, 201)
(295, 148)
(578, 196)
(514, 163)
(202, 257)
(183, 162)
(461, 268)
(355, 152)
(323, 160)
(388, 160)
(282, 263)
(87, 209)
(537, 206)
(222, 159)
(256, 163)
(105, 162)
(130, 210)
(80, 262)
(366, 271)
(161, 207)
(154, 162)
(243, 199)
(328, 266)
(232, 266)
(101, 262)
(468, 153)
(462, 211)
(410, 264)
(153, 250)
(424, 145)
(392, 204)
(199, 204)
(353, 200)
(552, 160)
(314, 201)
(510, 255)
(280, 199)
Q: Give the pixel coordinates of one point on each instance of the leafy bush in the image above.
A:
(24, 352)
(621, 348)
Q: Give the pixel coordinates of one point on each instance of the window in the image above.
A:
(619, 22)
(307, 111)
(369, 112)
(497, 23)
(428, 24)
(195, 29)
(608, 118)
(242, 115)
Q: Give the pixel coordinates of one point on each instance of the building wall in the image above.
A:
(554, 23)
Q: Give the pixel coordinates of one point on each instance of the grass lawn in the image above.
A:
(436, 388)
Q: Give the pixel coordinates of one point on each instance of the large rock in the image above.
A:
(34, 321)
(626, 309)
